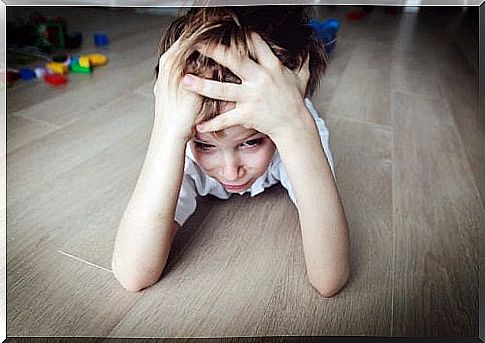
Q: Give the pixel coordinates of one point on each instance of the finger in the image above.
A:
(175, 53)
(166, 63)
(221, 122)
(170, 52)
(231, 58)
(264, 54)
(212, 89)
(180, 45)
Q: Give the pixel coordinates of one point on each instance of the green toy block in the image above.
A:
(76, 68)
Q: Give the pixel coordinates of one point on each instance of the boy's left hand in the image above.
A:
(269, 99)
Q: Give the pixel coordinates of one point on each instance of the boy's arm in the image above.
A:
(323, 225)
(147, 227)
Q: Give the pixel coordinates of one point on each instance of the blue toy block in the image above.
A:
(326, 31)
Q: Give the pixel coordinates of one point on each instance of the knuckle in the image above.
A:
(266, 80)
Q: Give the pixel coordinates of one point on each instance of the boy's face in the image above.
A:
(237, 159)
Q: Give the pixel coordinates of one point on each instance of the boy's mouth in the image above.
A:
(236, 187)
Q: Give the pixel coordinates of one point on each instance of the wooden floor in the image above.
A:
(401, 100)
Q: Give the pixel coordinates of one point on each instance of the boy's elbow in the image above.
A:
(330, 286)
(130, 283)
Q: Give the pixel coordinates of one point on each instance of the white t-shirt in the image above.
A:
(196, 182)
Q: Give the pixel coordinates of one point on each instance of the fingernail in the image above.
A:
(188, 80)
(200, 127)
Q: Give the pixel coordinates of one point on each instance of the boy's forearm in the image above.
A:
(322, 219)
(146, 229)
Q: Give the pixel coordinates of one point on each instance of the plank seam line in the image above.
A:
(35, 120)
(383, 127)
(142, 93)
(81, 260)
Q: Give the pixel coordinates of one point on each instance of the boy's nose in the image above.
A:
(232, 169)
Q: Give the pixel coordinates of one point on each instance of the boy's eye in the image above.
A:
(203, 146)
(252, 142)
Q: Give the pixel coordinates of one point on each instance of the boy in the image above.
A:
(231, 116)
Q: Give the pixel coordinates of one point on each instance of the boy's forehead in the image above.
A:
(233, 133)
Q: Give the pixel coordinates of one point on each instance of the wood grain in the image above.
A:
(17, 126)
(437, 213)
(408, 170)
(48, 157)
(368, 66)
(74, 298)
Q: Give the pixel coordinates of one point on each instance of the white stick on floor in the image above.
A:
(81, 260)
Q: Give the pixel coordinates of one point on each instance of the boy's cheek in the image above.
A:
(204, 161)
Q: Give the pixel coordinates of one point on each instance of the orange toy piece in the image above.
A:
(84, 61)
(57, 67)
(97, 59)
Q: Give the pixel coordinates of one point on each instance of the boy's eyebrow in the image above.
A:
(254, 135)
(195, 140)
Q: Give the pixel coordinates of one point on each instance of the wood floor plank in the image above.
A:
(53, 295)
(437, 213)
(362, 154)
(461, 89)
(21, 131)
(43, 160)
(77, 202)
(368, 66)
(336, 67)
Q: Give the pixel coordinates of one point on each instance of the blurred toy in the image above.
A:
(51, 33)
(76, 68)
(67, 62)
(97, 59)
(357, 15)
(55, 79)
(27, 74)
(11, 76)
(326, 31)
(74, 40)
(84, 62)
(40, 72)
(60, 58)
(101, 39)
(57, 67)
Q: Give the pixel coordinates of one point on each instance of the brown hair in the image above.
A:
(284, 28)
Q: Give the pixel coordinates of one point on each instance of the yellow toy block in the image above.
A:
(97, 59)
(84, 61)
(57, 67)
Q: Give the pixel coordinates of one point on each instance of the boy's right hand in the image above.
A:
(175, 107)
